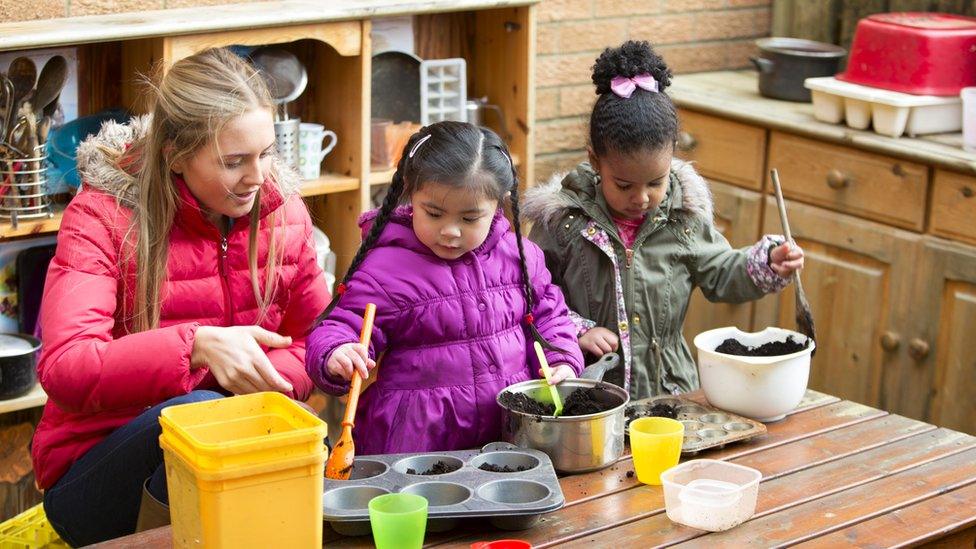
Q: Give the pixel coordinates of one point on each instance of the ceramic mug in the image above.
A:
(311, 150)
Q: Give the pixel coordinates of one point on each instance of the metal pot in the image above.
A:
(575, 444)
(784, 63)
(18, 364)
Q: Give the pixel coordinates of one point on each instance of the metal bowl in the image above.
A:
(575, 444)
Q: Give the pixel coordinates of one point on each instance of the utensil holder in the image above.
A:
(23, 186)
(286, 138)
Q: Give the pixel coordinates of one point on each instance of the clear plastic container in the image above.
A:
(710, 495)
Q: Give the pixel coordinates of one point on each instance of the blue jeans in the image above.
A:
(99, 497)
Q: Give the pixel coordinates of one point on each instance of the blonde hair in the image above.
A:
(192, 103)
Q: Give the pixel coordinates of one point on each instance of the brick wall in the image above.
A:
(692, 35)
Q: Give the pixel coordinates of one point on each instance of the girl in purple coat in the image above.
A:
(459, 300)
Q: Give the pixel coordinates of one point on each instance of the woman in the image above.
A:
(185, 271)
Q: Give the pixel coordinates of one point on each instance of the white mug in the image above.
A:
(311, 151)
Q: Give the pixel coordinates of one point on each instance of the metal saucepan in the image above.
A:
(784, 64)
(18, 364)
(575, 444)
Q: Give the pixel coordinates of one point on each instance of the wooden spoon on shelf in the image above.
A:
(804, 318)
(340, 463)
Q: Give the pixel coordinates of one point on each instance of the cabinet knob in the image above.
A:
(837, 179)
(686, 142)
(918, 349)
(968, 192)
(890, 341)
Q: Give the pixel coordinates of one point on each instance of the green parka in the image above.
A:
(642, 294)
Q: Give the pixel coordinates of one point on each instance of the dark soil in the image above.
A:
(773, 348)
(502, 468)
(580, 402)
(439, 468)
(520, 402)
(658, 410)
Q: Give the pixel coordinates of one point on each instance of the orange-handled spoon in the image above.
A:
(339, 466)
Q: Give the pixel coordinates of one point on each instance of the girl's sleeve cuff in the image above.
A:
(582, 324)
(757, 265)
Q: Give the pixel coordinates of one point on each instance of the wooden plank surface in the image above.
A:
(836, 469)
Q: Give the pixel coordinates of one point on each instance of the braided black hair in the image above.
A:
(645, 120)
(460, 155)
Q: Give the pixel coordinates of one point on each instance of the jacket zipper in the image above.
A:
(224, 283)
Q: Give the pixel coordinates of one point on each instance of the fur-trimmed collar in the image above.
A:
(545, 202)
(99, 171)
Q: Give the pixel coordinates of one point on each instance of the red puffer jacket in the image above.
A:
(97, 375)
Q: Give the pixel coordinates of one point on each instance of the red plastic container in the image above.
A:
(918, 53)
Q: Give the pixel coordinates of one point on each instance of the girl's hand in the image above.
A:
(599, 341)
(347, 357)
(558, 373)
(785, 260)
(235, 357)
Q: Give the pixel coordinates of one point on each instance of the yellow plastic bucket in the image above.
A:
(244, 471)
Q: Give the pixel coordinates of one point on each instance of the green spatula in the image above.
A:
(546, 372)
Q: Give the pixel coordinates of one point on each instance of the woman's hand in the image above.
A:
(558, 373)
(599, 341)
(785, 259)
(235, 357)
(348, 357)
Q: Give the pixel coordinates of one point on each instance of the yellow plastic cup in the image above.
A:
(655, 443)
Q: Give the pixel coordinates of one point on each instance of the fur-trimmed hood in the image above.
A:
(99, 171)
(549, 200)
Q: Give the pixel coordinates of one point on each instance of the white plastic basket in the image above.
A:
(888, 112)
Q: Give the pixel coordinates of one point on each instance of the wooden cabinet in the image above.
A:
(737, 216)
(728, 151)
(869, 185)
(856, 278)
(954, 206)
(939, 376)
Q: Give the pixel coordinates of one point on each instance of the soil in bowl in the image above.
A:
(438, 468)
(735, 347)
(580, 402)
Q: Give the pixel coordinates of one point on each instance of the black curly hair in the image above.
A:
(645, 120)
(461, 155)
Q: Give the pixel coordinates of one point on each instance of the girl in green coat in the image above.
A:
(629, 235)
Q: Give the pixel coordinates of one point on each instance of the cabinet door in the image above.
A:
(737, 216)
(857, 279)
(941, 344)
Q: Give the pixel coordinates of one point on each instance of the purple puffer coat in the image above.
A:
(453, 334)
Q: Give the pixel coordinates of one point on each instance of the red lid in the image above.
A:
(921, 20)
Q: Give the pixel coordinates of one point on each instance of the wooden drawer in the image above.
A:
(954, 206)
(723, 150)
(847, 180)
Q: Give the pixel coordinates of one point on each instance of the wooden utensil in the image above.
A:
(339, 466)
(23, 75)
(804, 318)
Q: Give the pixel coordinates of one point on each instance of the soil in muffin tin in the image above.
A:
(773, 348)
(503, 468)
(659, 409)
(439, 468)
(580, 402)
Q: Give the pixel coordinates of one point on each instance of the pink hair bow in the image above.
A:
(624, 87)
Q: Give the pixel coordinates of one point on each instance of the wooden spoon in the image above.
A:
(339, 466)
(23, 75)
(804, 318)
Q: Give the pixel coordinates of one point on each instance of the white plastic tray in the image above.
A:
(443, 90)
(889, 113)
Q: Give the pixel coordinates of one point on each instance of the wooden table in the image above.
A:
(835, 473)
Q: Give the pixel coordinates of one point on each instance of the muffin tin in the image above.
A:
(510, 501)
(705, 426)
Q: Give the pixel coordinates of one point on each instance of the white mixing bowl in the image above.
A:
(764, 388)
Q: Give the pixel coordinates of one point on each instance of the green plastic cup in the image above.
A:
(399, 521)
